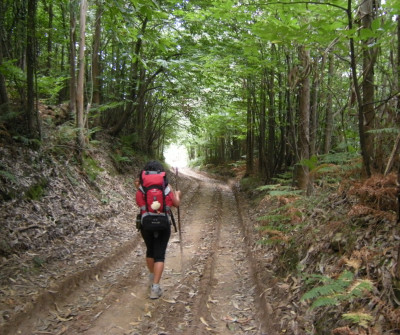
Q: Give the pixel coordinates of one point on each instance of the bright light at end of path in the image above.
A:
(176, 156)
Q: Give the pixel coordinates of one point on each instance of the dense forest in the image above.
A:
(280, 83)
(277, 93)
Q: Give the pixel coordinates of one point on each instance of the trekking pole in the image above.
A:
(179, 224)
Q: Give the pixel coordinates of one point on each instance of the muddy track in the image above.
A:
(210, 288)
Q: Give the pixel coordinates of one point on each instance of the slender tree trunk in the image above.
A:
(283, 127)
(142, 131)
(249, 133)
(3, 87)
(81, 78)
(49, 36)
(33, 125)
(302, 178)
(261, 145)
(314, 110)
(271, 121)
(129, 111)
(368, 90)
(361, 129)
(398, 68)
(96, 54)
(72, 56)
(292, 147)
(329, 109)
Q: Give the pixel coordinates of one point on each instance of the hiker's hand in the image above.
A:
(137, 183)
(177, 198)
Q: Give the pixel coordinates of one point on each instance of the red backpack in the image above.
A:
(154, 214)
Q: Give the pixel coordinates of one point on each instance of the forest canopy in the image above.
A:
(276, 83)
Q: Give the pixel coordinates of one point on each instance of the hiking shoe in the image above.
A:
(155, 291)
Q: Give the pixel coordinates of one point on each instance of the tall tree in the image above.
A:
(302, 177)
(72, 56)
(368, 89)
(329, 120)
(3, 87)
(81, 77)
(96, 54)
(31, 111)
(250, 128)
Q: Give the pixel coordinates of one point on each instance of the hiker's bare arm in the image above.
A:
(177, 198)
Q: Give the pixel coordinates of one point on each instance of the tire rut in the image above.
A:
(210, 288)
(218, 293)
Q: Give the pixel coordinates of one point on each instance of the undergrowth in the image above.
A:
(343, 225)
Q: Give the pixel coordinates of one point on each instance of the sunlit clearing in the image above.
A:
(176, 156)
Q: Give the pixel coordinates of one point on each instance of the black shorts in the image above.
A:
(156, 243)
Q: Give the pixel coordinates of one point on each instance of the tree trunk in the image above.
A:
(49, 36)
(368, 90)
(33, 125)
(134, 84)
(96, 55)
(271, 122)
(261, 145)
(314, 109)
(283, 125)
(361, 129)
(329, 109)
(81, 78)
(3, 87)
(398, 68)
(72, 56)
(302, 178)
(291, 120)
(249, 132)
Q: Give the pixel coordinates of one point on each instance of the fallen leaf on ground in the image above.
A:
(204, 322)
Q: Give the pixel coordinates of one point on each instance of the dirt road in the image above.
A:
(209, 288)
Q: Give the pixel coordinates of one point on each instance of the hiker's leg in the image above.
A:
(158, 270)
(148, 238)
(160, 247)
(150, 264)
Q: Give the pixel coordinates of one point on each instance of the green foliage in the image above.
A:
(8, 176)
(10, 115)
(127, 144)
(359, 318)
(277, 190)
(6, 190)
(250, 183)
(36, 191)
(384, 131)
(274, 218)
(335, 291)
(50, 87)
(91, 167)
(27, 141)
(66, 133)
(310, 163)
(38, 261)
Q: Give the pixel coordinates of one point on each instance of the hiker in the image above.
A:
(155, 233)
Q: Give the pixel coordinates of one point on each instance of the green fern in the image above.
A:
(344, 288)
(359, 318)
(278, 190)
(384, 131)
(274, 218)
(8, 176)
